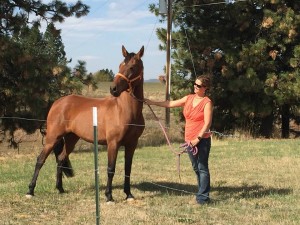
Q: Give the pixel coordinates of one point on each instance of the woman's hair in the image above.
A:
(205, 79)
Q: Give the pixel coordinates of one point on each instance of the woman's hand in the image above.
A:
(148, 101)
(194, 142)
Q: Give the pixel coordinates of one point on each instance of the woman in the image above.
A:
(197, 111)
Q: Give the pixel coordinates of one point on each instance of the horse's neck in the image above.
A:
(134, 100)
(138, 92)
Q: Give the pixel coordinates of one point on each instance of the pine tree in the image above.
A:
(33, 67)
(251, 50)
(104, 75)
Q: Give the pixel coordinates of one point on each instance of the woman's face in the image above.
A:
(198, 87)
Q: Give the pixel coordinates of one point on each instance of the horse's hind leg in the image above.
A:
(129, 151)
(58, 149)
(62, 151)
(39, 163)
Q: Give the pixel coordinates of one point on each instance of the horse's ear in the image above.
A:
(141, 52)
(124, 51)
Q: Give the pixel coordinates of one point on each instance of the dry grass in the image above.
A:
(253, 182)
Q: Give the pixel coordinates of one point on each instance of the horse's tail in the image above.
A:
(66, 163)
(43, 131)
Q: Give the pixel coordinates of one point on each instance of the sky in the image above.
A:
(98, 37)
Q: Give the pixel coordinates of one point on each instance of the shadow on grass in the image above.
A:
(249, 191)
(245, 191)
(223, 192)
(171, 188)
(219, 194)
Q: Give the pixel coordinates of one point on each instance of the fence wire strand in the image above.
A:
(150, 182)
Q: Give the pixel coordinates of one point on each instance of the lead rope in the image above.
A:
(184, 146)
(178, 154)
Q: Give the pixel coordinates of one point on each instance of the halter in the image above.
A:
(129, 81)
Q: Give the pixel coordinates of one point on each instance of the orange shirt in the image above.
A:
(194, 118)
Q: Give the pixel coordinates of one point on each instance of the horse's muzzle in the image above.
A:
(114, 91)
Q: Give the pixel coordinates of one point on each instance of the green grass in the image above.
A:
(253, 182)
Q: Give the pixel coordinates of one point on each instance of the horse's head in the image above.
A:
(130, 73)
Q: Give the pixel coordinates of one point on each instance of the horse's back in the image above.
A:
(77, 100)
(71, 105)
(74, 114)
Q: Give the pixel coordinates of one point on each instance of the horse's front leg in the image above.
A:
(112, 153)
(129, 151)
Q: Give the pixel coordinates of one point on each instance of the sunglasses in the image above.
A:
(198, 85)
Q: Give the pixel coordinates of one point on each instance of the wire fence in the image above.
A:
(159, 185)
(152, 135)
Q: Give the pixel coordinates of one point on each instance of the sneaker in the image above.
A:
(195, 202)
(204, 202)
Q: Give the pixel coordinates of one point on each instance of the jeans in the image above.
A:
(200, 166)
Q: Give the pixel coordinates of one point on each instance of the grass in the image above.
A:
(253, 182)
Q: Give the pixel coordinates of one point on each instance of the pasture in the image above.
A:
(253, 182)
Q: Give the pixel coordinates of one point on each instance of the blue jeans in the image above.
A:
(200, 166)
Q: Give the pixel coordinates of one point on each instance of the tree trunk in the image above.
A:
(266, 128)
(285, 121)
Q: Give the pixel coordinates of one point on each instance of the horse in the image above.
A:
(120, 120)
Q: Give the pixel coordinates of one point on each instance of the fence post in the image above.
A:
(95, 125)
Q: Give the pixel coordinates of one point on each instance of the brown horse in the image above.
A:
(120, 123)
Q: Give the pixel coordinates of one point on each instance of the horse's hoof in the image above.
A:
(28, 196)
(61, 191)
(130, 199)
(110, 203)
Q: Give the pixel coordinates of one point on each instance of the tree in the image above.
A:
(33, 65)
(250, 48)
(104, 75)
(80, 74)
(15, 14)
